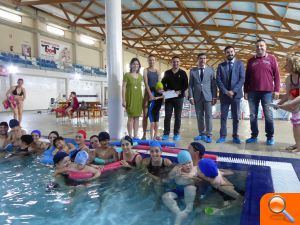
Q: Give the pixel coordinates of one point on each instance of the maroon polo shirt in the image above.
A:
(262, 74)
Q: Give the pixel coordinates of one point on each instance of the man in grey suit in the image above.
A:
(230, 80)
(203, 94)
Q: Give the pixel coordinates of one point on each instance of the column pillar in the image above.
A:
(113, 26)
(67, 85)
(74, 46)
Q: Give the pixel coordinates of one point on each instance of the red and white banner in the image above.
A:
(55, 51)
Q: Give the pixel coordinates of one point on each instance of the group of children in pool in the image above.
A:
(190, 172)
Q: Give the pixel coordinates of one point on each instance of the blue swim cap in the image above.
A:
(155, 144)
(59, 156)
(208, 167)
(13, 123)
(81, 157)
(36, 132)
(184, 157)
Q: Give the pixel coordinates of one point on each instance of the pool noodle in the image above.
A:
(146, 142)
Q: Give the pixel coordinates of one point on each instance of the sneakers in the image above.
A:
(221, 140)
(236, 140)
(270, 141)
(165, 137)
(208, 139)
(200, 138)
(251, 140)
(176, 137)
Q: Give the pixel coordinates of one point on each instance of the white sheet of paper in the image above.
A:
(273, 105)
(170, 94)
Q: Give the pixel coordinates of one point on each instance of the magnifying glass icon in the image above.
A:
(277, 205)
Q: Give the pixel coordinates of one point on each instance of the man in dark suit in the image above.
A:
(230, 80)
(203, 94)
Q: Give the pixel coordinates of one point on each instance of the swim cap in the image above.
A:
(13, 123)
(103, 136)
(155, 144)
(208, 167)
(184, 157)
(82, 132)
(129, 139)
(27, 139)
(81, 157)
(36, 132)
(159, 86)
(198, 147)
(59, 156)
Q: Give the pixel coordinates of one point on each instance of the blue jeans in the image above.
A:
(265, 97)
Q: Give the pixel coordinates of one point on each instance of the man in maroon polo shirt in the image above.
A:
(262, 84)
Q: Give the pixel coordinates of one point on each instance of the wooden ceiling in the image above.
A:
(166, 28)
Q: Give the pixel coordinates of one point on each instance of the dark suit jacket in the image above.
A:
(237, 78)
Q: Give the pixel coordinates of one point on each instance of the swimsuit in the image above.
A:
(132, 162)
(15, 92)
(155, 170)
(294, 92)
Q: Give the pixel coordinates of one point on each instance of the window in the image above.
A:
(87, 40)
(55, 30)
(10, 16)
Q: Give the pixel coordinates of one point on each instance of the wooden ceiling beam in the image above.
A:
(138, 12)
(226, 29)
(270, 8)
(226, 11)
(45, 2)
(84, 10)
(264, 27)
(226, 38)
(65, 12)
(214, 12)
(243, 47)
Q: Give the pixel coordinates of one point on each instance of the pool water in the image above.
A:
(122, 197)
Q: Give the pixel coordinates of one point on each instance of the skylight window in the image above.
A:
(10, 16)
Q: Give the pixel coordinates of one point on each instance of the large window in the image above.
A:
(55, 30)
(87, 40)
(10, 16)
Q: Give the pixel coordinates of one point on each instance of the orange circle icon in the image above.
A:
(277, 204)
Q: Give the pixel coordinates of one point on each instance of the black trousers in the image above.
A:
(170, 104)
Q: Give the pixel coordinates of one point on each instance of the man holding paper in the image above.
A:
(203, 94)
(176, 80)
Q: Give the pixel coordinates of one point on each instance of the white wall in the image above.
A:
(43, 85)
(15, 37)
(89, 57)
(39, 90)
(83, 87)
